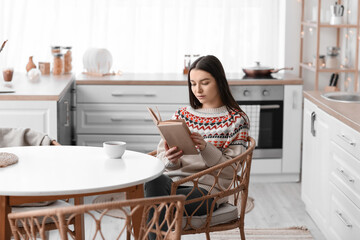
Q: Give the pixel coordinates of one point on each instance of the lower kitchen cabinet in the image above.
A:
(344, 217)
(116, 118)
(119, 113)
(49, 116)
(37, 115)
(315, 164)
(331, 174)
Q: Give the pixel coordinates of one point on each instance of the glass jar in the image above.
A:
(187, 63)
(321, 61)
(332, 57)
(55, 50)
(58, 65)
(67, 60)
(332, 61)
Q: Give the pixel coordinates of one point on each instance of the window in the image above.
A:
(144, 35)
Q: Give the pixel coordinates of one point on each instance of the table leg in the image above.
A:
(79, 221)
(5, 209)
(137, 192)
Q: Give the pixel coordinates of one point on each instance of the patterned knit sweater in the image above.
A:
(225, 133)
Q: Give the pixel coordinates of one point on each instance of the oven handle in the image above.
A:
(274, 106)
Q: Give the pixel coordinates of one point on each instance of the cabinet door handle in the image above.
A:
(121, 94)
(313, 118)
(270, 107)
(118, 119)
(342, 172)
(67, 123)
(347, 140)
(340, 215)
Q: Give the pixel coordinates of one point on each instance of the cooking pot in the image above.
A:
(261, 71)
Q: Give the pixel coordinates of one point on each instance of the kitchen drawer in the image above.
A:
(345, 172)
(132, 94)
(347, 138)
(119, 118)
(140, 143)
(344, 217)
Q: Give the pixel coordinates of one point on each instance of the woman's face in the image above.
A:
(205, 89)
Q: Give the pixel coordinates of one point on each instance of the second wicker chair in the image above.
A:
(33, 221)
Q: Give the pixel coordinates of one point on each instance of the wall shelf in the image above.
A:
(317, 25)
(311, 67)
(327, 25)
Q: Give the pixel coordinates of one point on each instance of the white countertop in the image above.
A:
(49, 87)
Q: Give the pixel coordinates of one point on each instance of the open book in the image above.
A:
(175, 132)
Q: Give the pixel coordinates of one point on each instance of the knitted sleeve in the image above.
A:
(235, 144)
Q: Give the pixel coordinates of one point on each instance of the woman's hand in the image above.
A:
(173, 154)
(199, 141)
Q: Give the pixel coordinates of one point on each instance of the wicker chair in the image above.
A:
(33, 221)
(14, 137)
(228, 215)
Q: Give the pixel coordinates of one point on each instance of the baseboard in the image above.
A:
(295, 177)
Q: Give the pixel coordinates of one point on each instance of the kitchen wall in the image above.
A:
(292, 16)
(152, 36)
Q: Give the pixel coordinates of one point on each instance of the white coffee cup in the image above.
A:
(114, 149)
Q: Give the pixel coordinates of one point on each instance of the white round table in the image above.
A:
(70, 171)
(62, 170)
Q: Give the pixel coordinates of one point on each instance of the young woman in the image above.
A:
(219, 130)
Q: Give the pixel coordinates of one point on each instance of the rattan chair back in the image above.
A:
(30, 137)
(237, 191)
(33, 221)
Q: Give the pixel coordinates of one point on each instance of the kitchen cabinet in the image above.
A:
(292, 131)
(348, 66)
(45, 106)
(345, 183)
(38, 115)
(331, 173)
(315, 163)
(118, 112)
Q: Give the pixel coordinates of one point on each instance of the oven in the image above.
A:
(264, 105)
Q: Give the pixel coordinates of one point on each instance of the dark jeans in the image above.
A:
(161, 186)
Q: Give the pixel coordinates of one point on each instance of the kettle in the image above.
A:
(337, 11)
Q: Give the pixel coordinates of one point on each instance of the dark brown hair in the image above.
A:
(212, 65)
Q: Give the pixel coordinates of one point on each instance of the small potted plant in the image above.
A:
(7, 72)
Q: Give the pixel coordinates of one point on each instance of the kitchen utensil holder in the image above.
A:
(331, 89)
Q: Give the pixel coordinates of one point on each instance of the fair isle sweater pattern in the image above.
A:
(221, 129)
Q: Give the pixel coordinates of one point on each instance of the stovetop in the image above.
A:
(260, 77)
(242, 76)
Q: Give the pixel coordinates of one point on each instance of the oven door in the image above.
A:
(267, 126)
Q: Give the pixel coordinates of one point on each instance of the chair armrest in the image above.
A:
(239, 181)
(152, 153)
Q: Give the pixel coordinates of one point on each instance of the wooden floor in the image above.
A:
(277, 205)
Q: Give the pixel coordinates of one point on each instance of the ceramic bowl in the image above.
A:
(114, 149)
